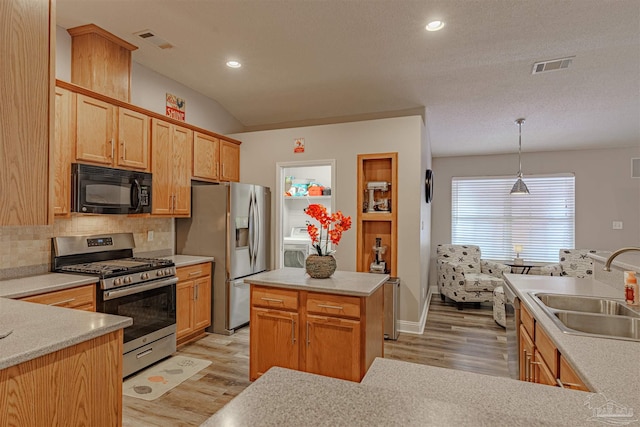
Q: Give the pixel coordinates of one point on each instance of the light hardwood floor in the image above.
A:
(466, 340)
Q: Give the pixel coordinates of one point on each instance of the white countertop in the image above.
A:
(185, 260)
(341, 282)
(40, 329)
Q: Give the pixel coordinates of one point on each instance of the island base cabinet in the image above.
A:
(79, 385)
(273, 341)
(333, 347)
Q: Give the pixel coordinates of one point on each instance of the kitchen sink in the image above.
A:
(590, 316)
(587, 304)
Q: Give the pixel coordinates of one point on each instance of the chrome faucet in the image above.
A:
(607, 265)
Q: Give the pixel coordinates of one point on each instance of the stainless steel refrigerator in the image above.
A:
(229, 222)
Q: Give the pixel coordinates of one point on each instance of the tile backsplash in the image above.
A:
(26, 251)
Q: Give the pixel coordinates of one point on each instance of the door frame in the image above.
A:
(279, 199)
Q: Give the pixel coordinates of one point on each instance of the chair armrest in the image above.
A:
(494, 269)
(551, 269)
(452, 273)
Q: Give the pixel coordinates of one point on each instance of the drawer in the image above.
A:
(333, 305)
(547, 350)
(274, 297)
(193, 271)
(82, 298)
(527, 320)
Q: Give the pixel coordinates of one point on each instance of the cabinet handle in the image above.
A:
(337, 307)
(308, 338)
(293, 331)
(195, 273)
(63, 301)
(272, 300)
(560, 384)
(197, 291)
(565, 385)
(111, 142)
(223, 174)
(533, 367)
(527, 366)
(124, 150)
(217, 169)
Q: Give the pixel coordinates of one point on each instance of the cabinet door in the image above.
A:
(80, 298)
(333, 347)
(63, 150)
(273, 341)
(184, 308)
(526, 354)
(202, 303)
(133, 139)
(94, 131)
(161, 167)
(182, 146)
(206, 156)
(230, 161)
(569, 378)
(541, 372)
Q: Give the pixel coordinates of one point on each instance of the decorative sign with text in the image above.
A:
(176, 107)
(298, 145)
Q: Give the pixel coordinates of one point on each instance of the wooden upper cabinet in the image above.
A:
(63, 148)
(95, 137)
(171, 155)
(133, 139)
(26, 113)
(229, 161)
(101, 61)
(206, 157)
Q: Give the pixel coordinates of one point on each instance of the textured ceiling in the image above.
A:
(315, 61)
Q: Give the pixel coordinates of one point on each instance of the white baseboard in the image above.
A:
(417, 328)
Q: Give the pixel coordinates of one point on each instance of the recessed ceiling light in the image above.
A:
(233, 64)
(435, 25)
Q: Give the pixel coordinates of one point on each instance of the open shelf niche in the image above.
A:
(379, 167)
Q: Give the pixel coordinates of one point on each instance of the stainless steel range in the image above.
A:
(141, 288)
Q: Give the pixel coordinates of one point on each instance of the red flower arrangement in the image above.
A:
(334, 224)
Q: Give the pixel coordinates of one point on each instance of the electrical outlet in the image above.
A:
(617, 225)
(149, 235)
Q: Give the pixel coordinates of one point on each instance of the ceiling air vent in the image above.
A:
(150, 37)
(553, 65)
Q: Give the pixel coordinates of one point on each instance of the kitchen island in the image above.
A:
(331, 327)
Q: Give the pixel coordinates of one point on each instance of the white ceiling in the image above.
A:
(318, 61)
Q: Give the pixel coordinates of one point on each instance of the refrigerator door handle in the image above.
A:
(257, 231)
(251, 231)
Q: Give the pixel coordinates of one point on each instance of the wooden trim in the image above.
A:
(84, 91)
(94, 29)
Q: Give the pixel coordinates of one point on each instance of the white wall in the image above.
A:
(605, 191)
(148, 91)
(261, 150)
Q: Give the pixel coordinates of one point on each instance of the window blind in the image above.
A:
(483, 213)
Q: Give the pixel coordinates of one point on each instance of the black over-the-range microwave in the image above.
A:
(100, 190)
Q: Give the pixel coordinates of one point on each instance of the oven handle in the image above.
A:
(109, 295)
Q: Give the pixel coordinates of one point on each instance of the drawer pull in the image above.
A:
(195, 273)
(272, 300)
(144, 353)
(63, 301)
(533, 367)
(293, 331)
(335, 307)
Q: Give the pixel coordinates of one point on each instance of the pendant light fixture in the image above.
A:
(519, 187)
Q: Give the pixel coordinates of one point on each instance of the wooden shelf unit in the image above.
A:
(377, 167)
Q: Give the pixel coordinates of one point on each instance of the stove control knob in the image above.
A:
(167, 271)
(128, 279)
(144, 276)
(117, 281)
(159, 273)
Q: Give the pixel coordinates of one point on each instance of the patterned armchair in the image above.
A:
(464, 277)
(573, 263)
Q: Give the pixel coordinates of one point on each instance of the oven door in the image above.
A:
(101, 190)
(151, 305)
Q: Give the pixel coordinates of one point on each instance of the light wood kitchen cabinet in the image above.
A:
(193, 301)
(229, 161)
(215, 159)
(568, 378)
(107, 135)
(79, 298)
(63, 149)
(27, 45)
(171, 168)
(80, 385)
(317, 332)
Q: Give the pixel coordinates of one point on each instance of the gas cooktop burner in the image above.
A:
(116, 267)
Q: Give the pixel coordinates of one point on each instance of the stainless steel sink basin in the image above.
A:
(587, 304)
(590, 316)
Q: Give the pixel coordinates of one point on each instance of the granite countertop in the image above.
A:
(185, 260)
(607, 366)
(41, 329)
(283, 397)
(34, 285)
(341, 282)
